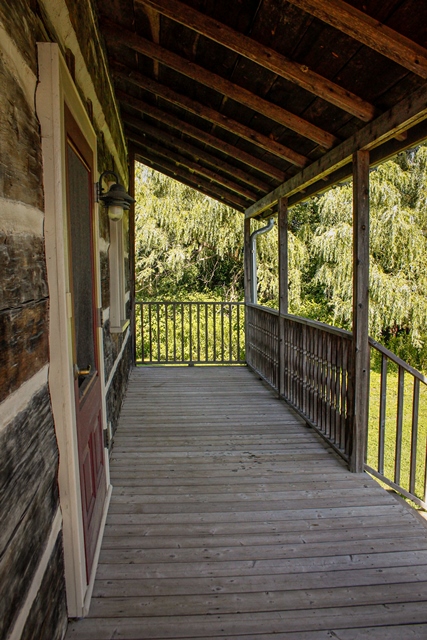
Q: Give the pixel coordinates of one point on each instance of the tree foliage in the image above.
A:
(398, 249)
(188, 245)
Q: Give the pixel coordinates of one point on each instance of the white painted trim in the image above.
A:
(50, 110)
(19, 218)
(37, 579)
(19, 399)
(58, 14)
(116, 363)
(117, 277)
(14, 61)
(97, 552)
(55, 89)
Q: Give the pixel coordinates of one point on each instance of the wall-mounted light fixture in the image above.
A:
(116, 199)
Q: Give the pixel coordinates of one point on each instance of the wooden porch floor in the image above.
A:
(231, 519)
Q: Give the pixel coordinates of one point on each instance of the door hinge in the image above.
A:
(99, 318)
(106, 439)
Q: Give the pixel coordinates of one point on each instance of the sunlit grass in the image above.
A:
(390, 431)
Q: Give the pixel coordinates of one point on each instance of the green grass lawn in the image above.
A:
(390, 430)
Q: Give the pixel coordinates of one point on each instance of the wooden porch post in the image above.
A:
(248, 280)
(282, 224)
(360, 309)
(132, 253)
(247, 259)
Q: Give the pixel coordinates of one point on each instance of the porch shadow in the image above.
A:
(231, 518)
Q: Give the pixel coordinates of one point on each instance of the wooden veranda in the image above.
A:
(231, 518)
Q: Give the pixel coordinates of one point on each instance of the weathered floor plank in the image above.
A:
(231, 519)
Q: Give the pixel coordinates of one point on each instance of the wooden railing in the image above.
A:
(313, 371)
(397, 437)
(190, 332)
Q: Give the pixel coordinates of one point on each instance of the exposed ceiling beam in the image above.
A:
(202, 136)
(409, 112)
(193, 167)
(264, 56)
(169, 139)
(118, 35)
(195, 182)
(369, 31)
(414, 136)
(214, 117)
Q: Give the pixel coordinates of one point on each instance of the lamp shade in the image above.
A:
(116, 199)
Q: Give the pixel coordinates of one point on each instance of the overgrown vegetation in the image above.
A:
(191, 247)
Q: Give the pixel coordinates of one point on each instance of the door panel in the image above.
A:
(87, 387)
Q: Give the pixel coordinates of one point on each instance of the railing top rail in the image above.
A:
(200, 302)
(274, 312)
(344, 334)
(401, 363)
(306, 321)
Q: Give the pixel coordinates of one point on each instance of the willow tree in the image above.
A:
(398, 246)
(188, 244)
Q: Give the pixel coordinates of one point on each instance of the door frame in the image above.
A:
(56, 88)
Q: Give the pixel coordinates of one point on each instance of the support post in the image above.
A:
(247, 260)
(282, 224)
(360, 310)
(248, 279)
(132, 253)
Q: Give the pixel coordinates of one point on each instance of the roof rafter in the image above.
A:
(223, 86)
(195, 182)
(179, 144)
(202, 136)
(406, 114)
(193, 167)
(369, 31)
(211, 115)
(264, 56)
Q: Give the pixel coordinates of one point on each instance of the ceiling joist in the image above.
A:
(214, 117)
(368, 31)
(201, 136)
(264, 56)
(124, 37)
(195, 182)
(194, 167)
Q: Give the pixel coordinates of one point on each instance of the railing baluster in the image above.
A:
(214, 330)
(206, 332)
(382, 416)
(150, 332)
(198, 331)
(414, 435)
(166, 332)
(238, 332)
(190, 319)
(399, 424)
(343, 399)
(141, 316)
(230, 346)
(221, 307)
(174, 331)
(182, 332)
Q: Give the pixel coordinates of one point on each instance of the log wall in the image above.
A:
(32, 582)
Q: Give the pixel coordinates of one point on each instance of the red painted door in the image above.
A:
(87, 385)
